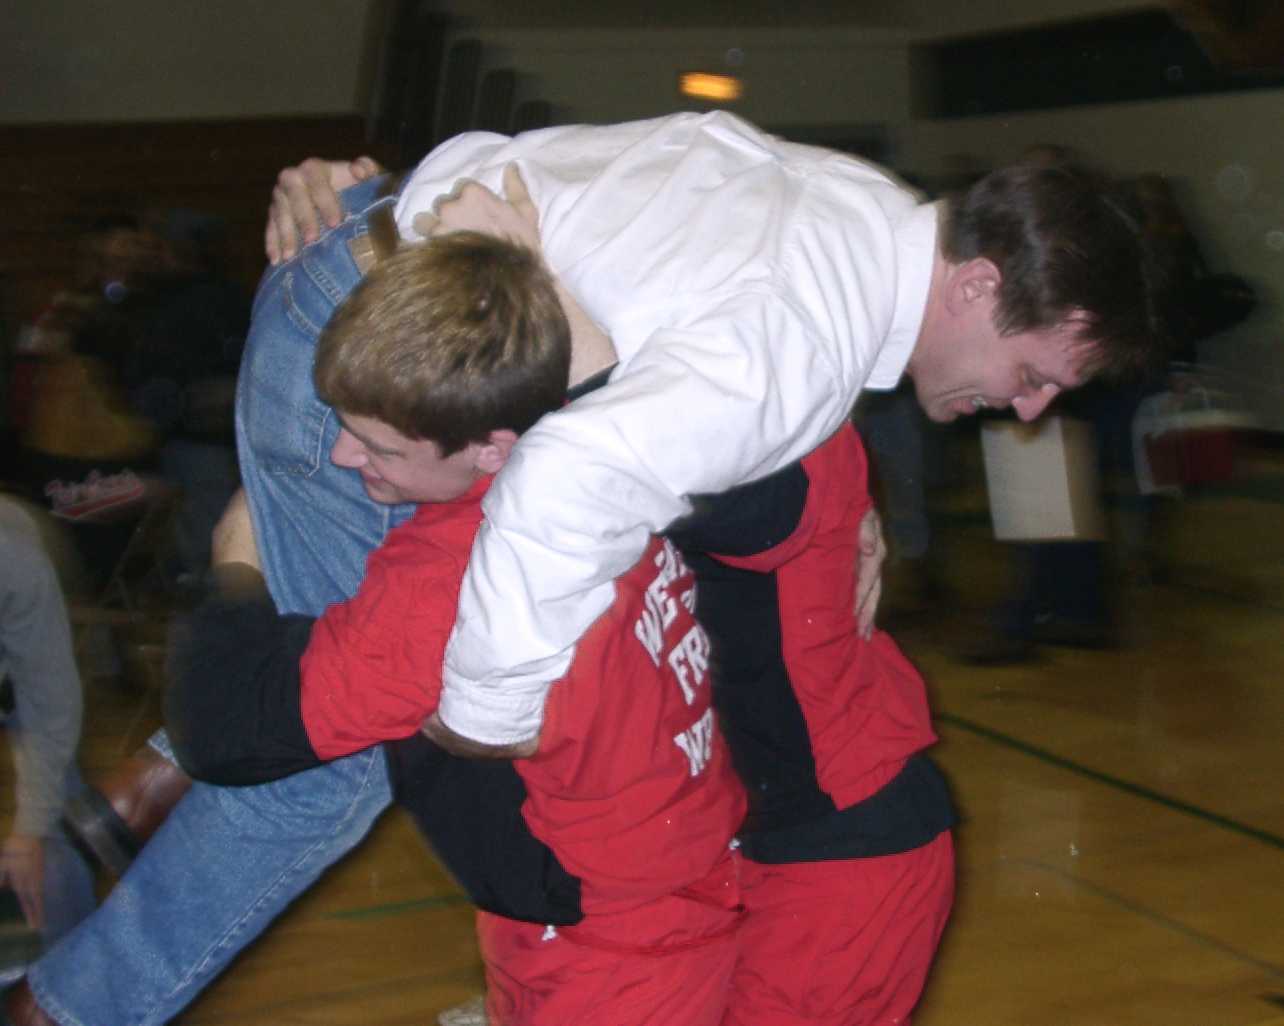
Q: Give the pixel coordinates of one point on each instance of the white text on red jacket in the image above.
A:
(687, 655)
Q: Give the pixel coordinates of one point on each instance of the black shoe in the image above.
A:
(95, 825)
(117, 816)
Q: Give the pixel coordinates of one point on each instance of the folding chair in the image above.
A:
(126, 599)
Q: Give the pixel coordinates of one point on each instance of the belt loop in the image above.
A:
(379, 241)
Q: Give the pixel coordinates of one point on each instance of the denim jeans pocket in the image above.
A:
(279, 408)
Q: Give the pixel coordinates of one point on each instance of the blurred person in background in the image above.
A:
(1064, 596)
(181, 373)
(137, 370)
(899, 437)
(79, 321)
(81, 443)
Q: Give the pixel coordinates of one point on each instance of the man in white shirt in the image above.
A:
(752, 288)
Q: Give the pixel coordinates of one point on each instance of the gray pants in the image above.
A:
(44, 730)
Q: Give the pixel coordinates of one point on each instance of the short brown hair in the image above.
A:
(1065, 237)
(448, 341)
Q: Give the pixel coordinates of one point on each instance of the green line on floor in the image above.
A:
(1204, 940)
(1274, 840)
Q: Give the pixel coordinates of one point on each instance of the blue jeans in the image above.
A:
(229, 860)
(314, 523)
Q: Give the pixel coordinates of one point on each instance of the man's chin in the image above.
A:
(378, 492)
(943, 414)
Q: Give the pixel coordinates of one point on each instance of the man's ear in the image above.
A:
(1076, 323)
(973, 281)
(1076, 328)
(493, 453)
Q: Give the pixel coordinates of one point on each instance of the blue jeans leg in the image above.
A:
(229, 860)
(224, 864)
(314, 523)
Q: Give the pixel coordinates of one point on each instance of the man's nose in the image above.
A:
(1029, 406)
(347, 451)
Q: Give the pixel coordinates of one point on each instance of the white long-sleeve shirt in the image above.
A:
(752, 288)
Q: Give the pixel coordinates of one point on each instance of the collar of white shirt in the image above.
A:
(915, 251)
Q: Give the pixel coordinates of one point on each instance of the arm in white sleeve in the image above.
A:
(737, 394)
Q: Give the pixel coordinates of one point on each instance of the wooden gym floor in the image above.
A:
(1121, 859)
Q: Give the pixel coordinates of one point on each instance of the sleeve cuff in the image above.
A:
(493, 715)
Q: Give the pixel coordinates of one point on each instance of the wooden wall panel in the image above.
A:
(57, 179)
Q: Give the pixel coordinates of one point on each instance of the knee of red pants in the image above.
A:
(844, 943)
(668, 963)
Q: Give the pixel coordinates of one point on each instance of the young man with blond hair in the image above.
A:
(440, 359)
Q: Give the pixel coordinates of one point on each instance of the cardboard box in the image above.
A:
(1043, 480)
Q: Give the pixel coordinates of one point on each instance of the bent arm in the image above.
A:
(307, 197)
(235, 717)
(473, 207)
(232, 707)
(255, 696)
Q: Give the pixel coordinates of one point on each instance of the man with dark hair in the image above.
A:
(752, 288)
(757, 286)
(1050, 228)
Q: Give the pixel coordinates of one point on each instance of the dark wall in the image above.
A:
(55, 180)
